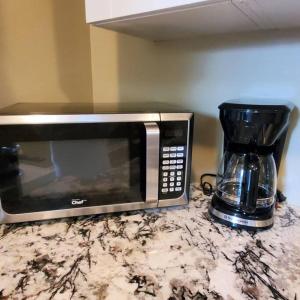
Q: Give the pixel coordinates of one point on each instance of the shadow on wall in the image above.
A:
(137, 68)
(295, 116)
(246, 40)
(72, 42)
(7, 95)
(44, 52)
(207, 145)
(294, 120)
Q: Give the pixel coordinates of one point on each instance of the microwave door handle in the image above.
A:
(152, 161)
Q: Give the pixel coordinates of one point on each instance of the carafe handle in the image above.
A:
(249, 190)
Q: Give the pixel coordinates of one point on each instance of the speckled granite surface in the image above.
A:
(175, 253)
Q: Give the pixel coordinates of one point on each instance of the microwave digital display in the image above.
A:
(174, 133)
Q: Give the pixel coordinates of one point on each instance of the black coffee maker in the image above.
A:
(246, 188)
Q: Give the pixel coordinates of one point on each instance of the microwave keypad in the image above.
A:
(172, 170)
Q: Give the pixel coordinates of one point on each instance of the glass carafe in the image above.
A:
(247, 180)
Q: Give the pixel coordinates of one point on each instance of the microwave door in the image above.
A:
(74, 169)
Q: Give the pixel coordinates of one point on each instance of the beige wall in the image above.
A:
(127, 68)
(199, 74)
(44, 51)
(123, 67)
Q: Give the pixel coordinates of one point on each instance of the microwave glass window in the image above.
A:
(57, 168)
(102, 165)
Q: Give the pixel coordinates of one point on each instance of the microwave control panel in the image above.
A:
(173, 155)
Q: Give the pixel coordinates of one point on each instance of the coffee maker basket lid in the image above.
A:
(263, 105)
(257, 122)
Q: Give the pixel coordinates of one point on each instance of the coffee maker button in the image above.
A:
(179, 178)
(166, 162)
(173, 167)
(165, 168)
(166, 155)
(180, 161)
(165, 185)
(180, 148)
(171, 183)
(165, 179)
(179, 167)
(165, 174)
(164, 190)
(172, 173)
(166, 149)
(173, 155)
(173, 148)
(179, 173)
(180, 154)
(172, 178)
(171, 189)
(172, 162)
(178, 183)
(178, 189)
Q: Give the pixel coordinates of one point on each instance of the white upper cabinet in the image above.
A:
(272, 14)
(97, 10)
(170, 19)
(107, 10)
(123, 8)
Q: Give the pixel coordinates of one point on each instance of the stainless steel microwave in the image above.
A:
(62, 160)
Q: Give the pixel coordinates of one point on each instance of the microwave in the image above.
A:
(63, 160)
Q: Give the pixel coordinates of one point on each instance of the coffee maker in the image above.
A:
(246, 187)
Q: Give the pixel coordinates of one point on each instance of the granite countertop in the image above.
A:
(173, 253)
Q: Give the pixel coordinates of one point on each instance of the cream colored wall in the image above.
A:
(204, 72)
(200, 74)
(123, 67)
(127, 68)
(44, 51)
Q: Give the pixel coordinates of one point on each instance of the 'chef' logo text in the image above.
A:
(78, 201)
